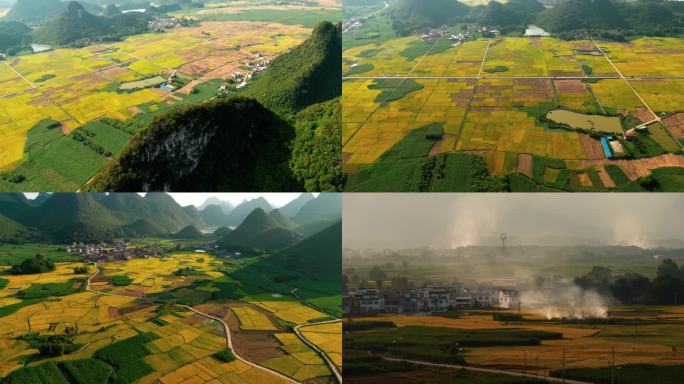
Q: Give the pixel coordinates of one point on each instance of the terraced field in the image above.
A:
(162, 320)
(491, 98)
(74, 87)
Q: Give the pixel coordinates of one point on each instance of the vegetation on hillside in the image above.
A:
(232, 144)
(77, 27)
(307, 75)
(13, 36)
(316, 153)
(608, 19)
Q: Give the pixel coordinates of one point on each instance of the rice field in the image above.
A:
(500, 112)
(183, 345)
(75, 86)
(584, 346)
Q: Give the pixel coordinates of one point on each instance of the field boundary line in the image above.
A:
(226, 328)
(489, 370)
(656, 119)
(331, 365)
(402, 79)
(20, 75)
(484, 58)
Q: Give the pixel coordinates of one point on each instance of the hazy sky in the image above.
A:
(275, 199)
(451, 220)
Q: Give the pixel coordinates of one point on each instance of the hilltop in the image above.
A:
(258, 233)
(307, 75)
(77, 24)
(33, 11)
(66, 217)
(409, 16)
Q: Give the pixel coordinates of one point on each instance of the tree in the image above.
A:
(630, 288)
(36, 264)
(401, 284)
(670, 269)
(598, 279)
(376, 274)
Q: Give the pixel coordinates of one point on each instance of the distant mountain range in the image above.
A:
(66, 217)
(570, 18)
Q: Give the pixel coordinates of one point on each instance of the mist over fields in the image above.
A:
(396, 221)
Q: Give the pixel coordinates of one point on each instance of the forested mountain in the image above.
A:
(76, 25)
(13, 232)
(570, 18)
(307, 75)
(279, 217)
(189, 232)
(409, 16)
(238, 215)
(225, 205)
(320, 254)
(230, 144)
(612, 19)
(33, 11)
(66, 217)
(13, 35)
(318, 214)
(259, 233)
(214, 215)
(292, 208)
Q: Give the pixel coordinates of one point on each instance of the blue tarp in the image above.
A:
(606, 147)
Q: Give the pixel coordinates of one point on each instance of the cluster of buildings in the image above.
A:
(162, 24)
(612, 146)
(118, 250)
(169, 85)
(427, 299)
(240, 79)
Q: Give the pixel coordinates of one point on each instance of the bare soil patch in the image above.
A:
(525, 164)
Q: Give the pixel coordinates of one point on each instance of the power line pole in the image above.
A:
(563, 370)
(612, 367)
(525, 361)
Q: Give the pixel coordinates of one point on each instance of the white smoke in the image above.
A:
(567, 302)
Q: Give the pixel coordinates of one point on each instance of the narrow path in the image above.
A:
(626, 81)
(331, 365)
(226, 328)
(20, 75)
(489, 370)
(484, 58)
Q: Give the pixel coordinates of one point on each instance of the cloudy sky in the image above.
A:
(450, 220)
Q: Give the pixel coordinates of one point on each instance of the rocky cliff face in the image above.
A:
(230, 145)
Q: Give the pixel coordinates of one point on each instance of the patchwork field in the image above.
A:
(654, 341)
(133, 322)
(119, 81)
(492, 98)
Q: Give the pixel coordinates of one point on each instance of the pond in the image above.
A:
(40, 48)
(533, 30)
(607, 124)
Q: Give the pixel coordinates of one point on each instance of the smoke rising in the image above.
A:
(396, 221)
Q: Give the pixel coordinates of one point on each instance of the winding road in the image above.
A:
(229, 340)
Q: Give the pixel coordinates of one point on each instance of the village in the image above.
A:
(116, 250)
(239, 80)
(429, 298)
(122, 249)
